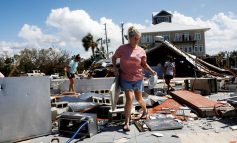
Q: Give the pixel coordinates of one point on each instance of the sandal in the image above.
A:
(172, 89)
(126, 129)
(144, 115)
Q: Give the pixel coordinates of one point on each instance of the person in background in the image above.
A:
(1, 75)
(71, 70)
(132, 61)
(169, 72)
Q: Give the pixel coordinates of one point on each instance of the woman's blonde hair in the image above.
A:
(132, 31)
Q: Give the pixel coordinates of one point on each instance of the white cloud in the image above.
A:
(221, 36)
(73, 25)
(11, 48)
(34, 36)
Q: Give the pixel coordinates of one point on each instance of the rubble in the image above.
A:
(201, 107)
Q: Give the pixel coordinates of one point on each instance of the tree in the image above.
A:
(220, 59)
(88, 42)
(48, 61)
(52, 61)
(6, 65)
(100, 54)
(233, 59)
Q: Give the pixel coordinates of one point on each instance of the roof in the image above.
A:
(193, 60)
(161, 13)
(168, 27)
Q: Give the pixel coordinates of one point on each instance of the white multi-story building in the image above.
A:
(188, 38)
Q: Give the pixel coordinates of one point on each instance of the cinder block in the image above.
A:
(98, 100)
(60, 104)
(107, 100)
(101, 91)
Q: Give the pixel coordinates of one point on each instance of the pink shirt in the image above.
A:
(130, 62)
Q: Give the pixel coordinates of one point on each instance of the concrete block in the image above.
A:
(60, 104)
(97, 100)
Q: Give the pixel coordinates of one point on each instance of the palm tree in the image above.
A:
(88, 42)
(219, 59)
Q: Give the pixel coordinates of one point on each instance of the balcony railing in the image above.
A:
(183, 39)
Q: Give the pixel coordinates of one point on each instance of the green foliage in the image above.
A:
(48, 61)
(100, 54)
(6, 65)
(88, 42)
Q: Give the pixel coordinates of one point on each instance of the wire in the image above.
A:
(75, 134)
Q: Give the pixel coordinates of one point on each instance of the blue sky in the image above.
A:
(14, 14)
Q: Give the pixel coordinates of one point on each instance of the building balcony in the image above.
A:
(183, 41)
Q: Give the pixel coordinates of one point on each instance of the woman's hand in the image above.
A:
(115, 70)
(153, 73)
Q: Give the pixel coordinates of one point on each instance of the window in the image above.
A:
(186, 36)
(201, 49)
(143, 39)
(176, 37)
(185, 49)
(197, 36)
(162, 19)
(146, 39)
(190, 49)
(166, 37)
(195, 48)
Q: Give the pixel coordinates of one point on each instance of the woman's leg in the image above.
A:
(128, 107)
(71, 85)
(138, 95)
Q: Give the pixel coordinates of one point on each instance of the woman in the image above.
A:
(71, 70)
(132, 61)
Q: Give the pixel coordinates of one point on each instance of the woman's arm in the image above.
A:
(115, 69)
(147, 67)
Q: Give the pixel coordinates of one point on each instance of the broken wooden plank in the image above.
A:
(203, 106)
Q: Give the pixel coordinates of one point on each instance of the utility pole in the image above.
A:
(235, 62)
(122, 32)
(228, 57)
(106, 40)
